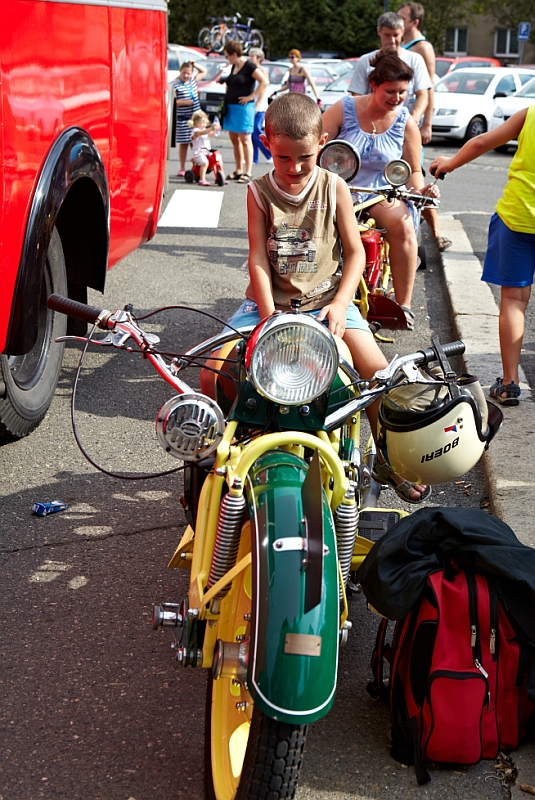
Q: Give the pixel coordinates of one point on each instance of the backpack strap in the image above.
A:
(377, 688)
(422, 775)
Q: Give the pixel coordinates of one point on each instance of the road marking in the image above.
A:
(78, 582)
(198, 208)
(93, 530)
(48, 571)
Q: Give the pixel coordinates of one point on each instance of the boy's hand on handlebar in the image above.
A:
(440, 164)
(430, 190)
(335, 313)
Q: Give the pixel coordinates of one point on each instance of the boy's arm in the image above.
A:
(354, 261)
(481, 144)
(259, 266)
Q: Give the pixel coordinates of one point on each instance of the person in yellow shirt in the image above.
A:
(510, 258)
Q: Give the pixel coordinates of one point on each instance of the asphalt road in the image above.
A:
(92, 706)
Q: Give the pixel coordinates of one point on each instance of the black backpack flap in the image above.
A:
(394, 572)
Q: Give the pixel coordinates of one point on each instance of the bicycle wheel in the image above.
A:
(218, 37)
(256, 39)
(203, 39)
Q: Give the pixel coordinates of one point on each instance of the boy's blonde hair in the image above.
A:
(294, 115)
(198, 115)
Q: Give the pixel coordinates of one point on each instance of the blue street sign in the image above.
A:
(524, 29)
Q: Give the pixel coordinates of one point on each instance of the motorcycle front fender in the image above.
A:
(293, 653)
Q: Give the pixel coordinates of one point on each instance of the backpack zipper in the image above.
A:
(485, 674)
(493, 601)
(475, 644)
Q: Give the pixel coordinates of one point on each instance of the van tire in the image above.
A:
(28, 382)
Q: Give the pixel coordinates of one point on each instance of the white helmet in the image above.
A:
(431, 435)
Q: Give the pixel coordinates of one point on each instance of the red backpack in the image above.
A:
(458, 675)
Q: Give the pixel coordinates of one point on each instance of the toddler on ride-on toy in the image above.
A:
(204, 159)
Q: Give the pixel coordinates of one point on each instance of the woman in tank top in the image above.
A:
(381, 128)
(298, 77)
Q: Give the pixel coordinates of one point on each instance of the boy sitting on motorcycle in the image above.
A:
(298, 217)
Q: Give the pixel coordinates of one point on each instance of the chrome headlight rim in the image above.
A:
(178, 434)
(328, 158)
(276, 325)
(397, 172)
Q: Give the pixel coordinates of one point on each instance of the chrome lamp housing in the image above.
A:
(291, 359)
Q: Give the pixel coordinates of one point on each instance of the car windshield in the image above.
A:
(276, 72)
(340, 84)
(528, 90)
(213, 68)
(322, 76)
(441, 67)
(465, 83)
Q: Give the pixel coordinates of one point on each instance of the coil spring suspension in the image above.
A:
(346, 519)
(227, 539)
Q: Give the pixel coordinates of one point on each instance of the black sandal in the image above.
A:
(245, 178)
(511, 391)
(235, 176)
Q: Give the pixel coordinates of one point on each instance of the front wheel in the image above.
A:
(256, 39)
(248, 756)
(203, 39)
(30, 380)
(476, 127)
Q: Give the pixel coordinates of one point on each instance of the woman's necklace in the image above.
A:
(374, 128)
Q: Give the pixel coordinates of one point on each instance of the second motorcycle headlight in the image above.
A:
(291, 359)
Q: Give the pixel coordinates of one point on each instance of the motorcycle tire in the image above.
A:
(28, 382)
(248, 756)
(422, 257)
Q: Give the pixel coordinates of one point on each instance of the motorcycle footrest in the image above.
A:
(374, 524)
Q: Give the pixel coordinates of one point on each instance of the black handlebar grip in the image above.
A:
(72, 308)
(441, 175)
(450, 349)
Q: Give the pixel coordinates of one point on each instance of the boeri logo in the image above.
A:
(442, 450)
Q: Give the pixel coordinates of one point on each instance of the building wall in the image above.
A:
(481, 41)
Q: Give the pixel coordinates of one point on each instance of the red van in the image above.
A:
(82, 169)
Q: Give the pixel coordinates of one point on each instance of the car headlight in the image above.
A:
(291, 359)
(446, 112)
(498, 112)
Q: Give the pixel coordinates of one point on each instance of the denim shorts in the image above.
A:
(510, 258)
(247, 314)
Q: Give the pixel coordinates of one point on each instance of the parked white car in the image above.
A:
(465, 99)
(336, 90)
(176, 55)
(508, 106)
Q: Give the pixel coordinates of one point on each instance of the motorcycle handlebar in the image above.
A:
(73, 308)
(450, 349)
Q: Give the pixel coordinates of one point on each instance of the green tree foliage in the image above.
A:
(345, 26)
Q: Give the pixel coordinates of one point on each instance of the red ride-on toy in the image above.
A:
(215, 165)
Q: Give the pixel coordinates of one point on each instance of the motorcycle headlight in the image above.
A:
(397, 172)
(291, 359)
(340, 157)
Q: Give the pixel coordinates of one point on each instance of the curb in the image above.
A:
(510, 471)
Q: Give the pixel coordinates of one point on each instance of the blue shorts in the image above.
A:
(510, 259)
(247, 314)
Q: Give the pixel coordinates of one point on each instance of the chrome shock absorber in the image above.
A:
(346, 519)
(227, 539)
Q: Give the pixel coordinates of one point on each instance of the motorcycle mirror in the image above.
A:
(397, 172)
(341, 158)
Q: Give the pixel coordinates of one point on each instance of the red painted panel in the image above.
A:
(98, 68)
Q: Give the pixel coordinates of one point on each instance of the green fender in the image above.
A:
(293, 653)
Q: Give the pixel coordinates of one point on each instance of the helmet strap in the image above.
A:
(449, 375)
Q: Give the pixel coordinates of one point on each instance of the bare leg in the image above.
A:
(431, 217)
(367, 359)
(235, 138)
(396, 218)
(514, 301)
(247, 145)
(202, 172)
(182, 155)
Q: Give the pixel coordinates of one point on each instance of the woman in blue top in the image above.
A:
(381, 129)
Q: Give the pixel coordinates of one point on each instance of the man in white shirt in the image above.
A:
(390, 27)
